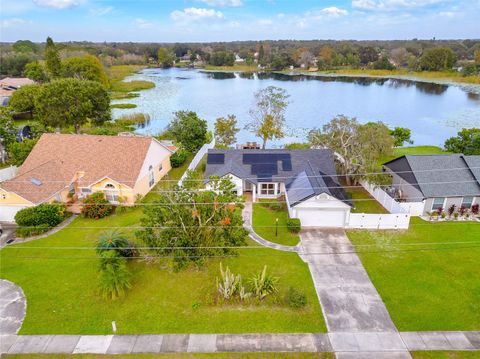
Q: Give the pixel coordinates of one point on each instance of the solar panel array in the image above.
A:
(216, 158)
(265, 165)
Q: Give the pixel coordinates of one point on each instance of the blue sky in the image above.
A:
(226, 20)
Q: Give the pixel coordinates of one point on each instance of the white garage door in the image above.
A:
(314, 217)
(7, 212)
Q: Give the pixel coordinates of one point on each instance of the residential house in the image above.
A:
(66, 168)
(425, 183)
(9, 85)
(307, 179)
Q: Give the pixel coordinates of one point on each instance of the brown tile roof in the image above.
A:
(15, 81)
(57, 158)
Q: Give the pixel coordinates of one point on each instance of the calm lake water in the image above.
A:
(433, 112)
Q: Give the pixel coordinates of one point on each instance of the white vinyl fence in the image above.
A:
(398, 218)
(196, 160)
(7, 173)
(378, 221)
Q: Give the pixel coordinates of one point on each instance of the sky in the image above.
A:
(229, 20)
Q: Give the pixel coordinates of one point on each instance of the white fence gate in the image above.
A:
(7, 173)
(383, 198)
(196, 160)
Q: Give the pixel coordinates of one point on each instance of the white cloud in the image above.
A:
(334, 11)
(142, 23)
(195, 14)
(223, 3)
(264, 22)
(58, 4)
(12, 22)
(388, 5)
(101, 11)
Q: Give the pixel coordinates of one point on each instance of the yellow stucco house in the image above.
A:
(64, 167)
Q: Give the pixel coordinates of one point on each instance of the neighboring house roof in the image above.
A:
(57, 158)
(304, 172)
(439, 175)
(15, 82)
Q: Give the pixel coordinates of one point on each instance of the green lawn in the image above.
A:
(61, 289)
(434, 289)
(264, 225)
(446, 355)
(178, 356)
(413, 150)
(363, 202)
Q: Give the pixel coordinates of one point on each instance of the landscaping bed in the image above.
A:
(264, 222)
(425, 286)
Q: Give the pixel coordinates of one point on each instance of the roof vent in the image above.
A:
(36, 182)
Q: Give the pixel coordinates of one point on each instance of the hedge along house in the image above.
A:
(425, 183)
(69, 167)
(306, 178)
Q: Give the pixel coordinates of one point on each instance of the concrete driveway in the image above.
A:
(349, 300)
(12, 308)
(8, 233)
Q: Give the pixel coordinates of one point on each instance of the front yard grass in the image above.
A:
(446, 354)
(61, 283)
(263, 222)
(426, 287)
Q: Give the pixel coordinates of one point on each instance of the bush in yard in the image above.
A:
(294, 225)
(116, 241)
(178, 158)
(228, 284)
(451, 209)
(45, 213)
(295, 298)
(96, 206)
(114, 277)
(475, 209)
(263, 284)
(24, 232)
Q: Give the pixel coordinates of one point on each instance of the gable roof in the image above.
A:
(57, 158)
(439, 175)
(304, 172)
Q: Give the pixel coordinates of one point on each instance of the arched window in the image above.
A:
(151, 176)
(111, 193)
(109, 186)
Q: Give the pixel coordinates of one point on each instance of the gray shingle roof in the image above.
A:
(304, 172)
(440, 175)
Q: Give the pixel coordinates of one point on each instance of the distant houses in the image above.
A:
(9, 85)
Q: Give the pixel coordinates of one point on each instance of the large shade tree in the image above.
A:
(88, 67)
(72, 102)
(268, 114)
(226, 130)
(189, 226)
(358, 147)
(188, 129)
(467, 142)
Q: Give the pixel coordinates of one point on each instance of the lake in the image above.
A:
(433, 112)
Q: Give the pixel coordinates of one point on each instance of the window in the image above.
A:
(267, 189)
(467, 202)
(151, 176)
(160, 168)
(86, 190)
(438, 203)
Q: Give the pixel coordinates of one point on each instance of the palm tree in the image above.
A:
(112, 240)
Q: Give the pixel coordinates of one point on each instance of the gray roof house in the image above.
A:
(437, 181)
(307, 179)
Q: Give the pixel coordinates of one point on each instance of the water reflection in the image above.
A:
(425, 87)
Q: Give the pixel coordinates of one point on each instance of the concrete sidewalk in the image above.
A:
(345, 345)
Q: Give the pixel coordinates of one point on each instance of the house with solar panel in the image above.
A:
(306, 178)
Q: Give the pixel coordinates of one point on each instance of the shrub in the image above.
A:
(276, 206)
(24, 232)
(462, 210)
(96, 206)
(475, 209)
(178, 158)
(263, 284)
(295, 298)
(50, 214)
(112, 240)
(228, 284)
(114, 277)
(451, 209)
(294, 225)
